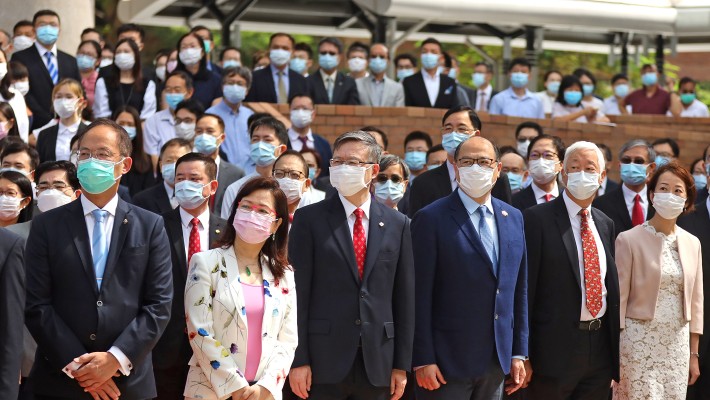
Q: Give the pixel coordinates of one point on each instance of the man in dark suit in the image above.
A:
(99, 282)
(300, 134)
(277, 83)
(698, 224)
(573, 287)
(545, 155)
(12, 304)
(628, 205)
(482, 75)
(486, 235)
(354, 271)
(327, 85)
(159, 198)
(191, 228)
(429, 88)
(608, 185)
(46, 66)
(457, 124)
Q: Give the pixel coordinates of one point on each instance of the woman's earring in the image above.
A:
(273, 235)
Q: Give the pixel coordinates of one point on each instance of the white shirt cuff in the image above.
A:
(519, 358)
(126, 365)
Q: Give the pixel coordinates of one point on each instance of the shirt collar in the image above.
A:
(326, 76)
(88, 206)
(42, 50)
(488, 90)
(226, 108)
(471, 205)
(452, 173)
(275, 71)
(427, 76)
(573, 208)
(350, 207)
(629, 194)
(168, 189)
(186, 218)
(71, 128)
(539, 193)
(293, 135)
(512, 94)
(165, 115)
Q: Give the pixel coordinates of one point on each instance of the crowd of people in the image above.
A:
(160, 240)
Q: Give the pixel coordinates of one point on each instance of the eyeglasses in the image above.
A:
(261, 210)
(629, 160)
(103, 155)
(9, 193)
(461, 129)
(288, 173)
(330, 53)
(382, 178)
(335, 162)
(61, 186)
(547, 155)
(483, 162)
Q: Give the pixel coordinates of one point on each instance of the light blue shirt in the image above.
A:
(508, 103)
(236, 131)
(472, 210)
(275, 74)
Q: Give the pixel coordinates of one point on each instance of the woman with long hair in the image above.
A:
(141, 176)
(193, 60)
(13, 96)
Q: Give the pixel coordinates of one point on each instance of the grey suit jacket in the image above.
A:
(392, 94)
(228, 174)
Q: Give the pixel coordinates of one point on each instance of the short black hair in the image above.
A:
(434, 149)
(475, 120)
(44, 13)
(556, 142)
(302, 94)
(277, 34)
(20, 24)
(550, 72)
(567, 82)
(131, 28)
(618, 77)
(62, 165)
(448, 60)
(382, 133)
(522, 61)
(406, 56)
(21, 147)
(489, 67)
(299, 156)
(496, 150)
(580, 72)
(273, 123)
(191, 105)
(182, 75)
(91, 30)
(509, 150)
(302, 46)
(686, 79)
(431, 40)
(256, 116)
(359, 46)
(23, 182)
(332, 40)
(418, 135)
(606, 151)
(202, 27)
(219, 119)
(670, 142)
(179, 142)
(210, 164)
(226, 49)
(529, 124)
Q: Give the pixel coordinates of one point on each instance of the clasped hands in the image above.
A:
(95, 374)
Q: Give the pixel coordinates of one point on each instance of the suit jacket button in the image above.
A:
(92, 336)
(362, 294)
(358, 322)
(99, 303)
(497, 291)
(495, 316)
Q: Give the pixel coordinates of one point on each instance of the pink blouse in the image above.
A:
(254, 299)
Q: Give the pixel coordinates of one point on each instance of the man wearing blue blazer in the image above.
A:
(471, 321)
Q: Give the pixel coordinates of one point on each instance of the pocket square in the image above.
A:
(449, 90)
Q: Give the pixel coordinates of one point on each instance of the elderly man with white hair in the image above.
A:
(573, 287)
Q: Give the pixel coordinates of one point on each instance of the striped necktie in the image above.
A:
(52, 67)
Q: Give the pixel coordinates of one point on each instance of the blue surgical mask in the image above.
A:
(378, 65)
(389, 191)
(621, 90)
(661, 161)
(96, 176)
(189, 194)
(588, 89)
(234, 94)
(701, 181)
(404, 73)
(553, 87)
(130, 130)
(516, 181)
(573, 97)
(168, 172)
(173, 99)
(327, 61)
(312, 173)
(279, 57)
(649, 78)
(298, 65)
(453, 74)
(519, 79)
(429, 60)
(479, 79)
(451, 141)
(47, 34)
(262, 153)
(85, 62)
(633, 174)
(415, 159)
(205, 144)
(231, 64)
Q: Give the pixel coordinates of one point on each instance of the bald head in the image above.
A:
(477, 147)
(379, 49)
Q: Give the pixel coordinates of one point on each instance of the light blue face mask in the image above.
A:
(621, 90)
(451, 141)
(389, 191)
(262, 153)
(168, 172)
(553, 87)
(298, 65)
(649, 78)
(478, 79)
(701, 181)
(415, 159)
(429, 60)
(231, 64)
(519, 79)
(312, 173)
(378, 65)
(130, 130)
(429, 167)
(453, 74)
(588, 89)
(189, 194)
(516, 181)
(173, 99)
(661, 161)
(96, 176)
(85, 62)
(47, 34)
(404, 73)
(234, 94)
(573, 97)
(205, 144)
(633, 174)
(327, 61)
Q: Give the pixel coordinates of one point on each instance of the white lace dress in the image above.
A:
(655, 355)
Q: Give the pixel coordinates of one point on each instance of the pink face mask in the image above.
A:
(251, 226)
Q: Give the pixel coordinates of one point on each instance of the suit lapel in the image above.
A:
(173, 224)
(565, 227)
(320, 93)
(122, 222)
(43, 68)
(270, 82)
(623, 211)
(462, 218)
(444, 181)
(228, 261)
(505, 234)
(420, 87)
(341, 232)
(338, 88)
(77, 225)
(375, 235)
(51, 144)
(368, 92)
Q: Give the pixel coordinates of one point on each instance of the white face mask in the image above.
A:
(292, 188)
(357, 64)
(668, 205)
(542, 170)
(9, 207)
(476, 181)
(124, 61)
(582, 185)
(51, 199)
(301, 118)
(190, 56)
(522, 148)
(105, 62)
(22, 86)
(160, 72)
(65, 108)
(347, 179)
(185, 131)
(22, 42)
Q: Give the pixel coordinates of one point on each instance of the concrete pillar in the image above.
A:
(74, 15)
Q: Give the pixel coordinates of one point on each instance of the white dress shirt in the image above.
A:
(546, 100)
(630, 195)
(62, 150)
(349, 212)
(595, 103)
(696, 109)
(202, 228)
(432, 86)
(483, 96)
(611, 106)
(296, 143)
(102, 108)
(110, 207)
(540, 194)
(576, 220)
(452, 175)
(325, 77)
(170, 191)
(275, 74)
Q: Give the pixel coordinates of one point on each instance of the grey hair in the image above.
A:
(638, 143)
(361, 137)
(389, 160)
(583, 145)
(241, 71)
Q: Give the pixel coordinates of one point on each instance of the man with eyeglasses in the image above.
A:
(471, 327)
(291, 170)
(628, 205)
(328, 86)
(544, 164)
(377, 89)
(458, 124)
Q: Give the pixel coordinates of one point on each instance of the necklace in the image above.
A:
(247, 265)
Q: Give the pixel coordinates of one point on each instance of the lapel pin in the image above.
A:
(217, 231)
(382, 224)
(505, 213)
(125, 221)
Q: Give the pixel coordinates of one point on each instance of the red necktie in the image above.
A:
(592, 272)
(548, 197)
(304, 140)
(194, 244)
(637, 212)
(359, 242)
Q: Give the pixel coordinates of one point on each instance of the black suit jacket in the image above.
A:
(154, 199)
(555, 287)
(474, 98)
(611, 186)
(228, 174)
(435, 184)
(264, 90)
(702, 195)
(12, 305)
(173, 348)
(47, 142)
(415, 94)
(337, 311)
(698, 224)
(614, 206)
(68, 315)
(524, 199)
(39, 98)
(344, 92)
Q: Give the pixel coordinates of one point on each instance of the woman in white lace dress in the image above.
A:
(660, 279)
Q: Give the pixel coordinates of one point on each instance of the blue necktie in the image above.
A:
(52, 67)
(99, 245)
(487, 238)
